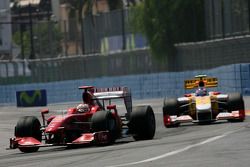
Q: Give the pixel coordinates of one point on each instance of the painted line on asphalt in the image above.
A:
(176, 151)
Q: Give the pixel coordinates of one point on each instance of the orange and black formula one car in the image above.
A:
(203, 106)
(95, 121)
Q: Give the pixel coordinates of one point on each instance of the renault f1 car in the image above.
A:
(95, 121)
(203, 106)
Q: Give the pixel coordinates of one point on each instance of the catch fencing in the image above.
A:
(102, 33)
(190, 56)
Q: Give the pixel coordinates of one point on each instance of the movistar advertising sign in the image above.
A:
(31, 98)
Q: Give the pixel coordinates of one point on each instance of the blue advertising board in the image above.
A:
(31, 98)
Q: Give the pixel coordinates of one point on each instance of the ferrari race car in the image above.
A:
(202, 106)
(95, 121)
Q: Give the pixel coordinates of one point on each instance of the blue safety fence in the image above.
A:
(231, 78)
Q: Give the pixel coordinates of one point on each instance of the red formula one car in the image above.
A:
(95, 121)
(203, 106)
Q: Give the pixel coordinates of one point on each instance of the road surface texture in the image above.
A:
(221, 144)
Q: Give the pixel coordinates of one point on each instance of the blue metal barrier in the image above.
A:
(232, 78)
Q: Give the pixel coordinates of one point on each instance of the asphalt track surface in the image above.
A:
(221, 144)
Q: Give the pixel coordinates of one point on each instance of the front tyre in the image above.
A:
(142, 123)
(28, 126)
(105, 121)
(236, 103)
(170, 108)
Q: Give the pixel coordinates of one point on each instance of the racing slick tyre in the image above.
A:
(170, 107)
(235, 102)
(28, 126)
(105, 121)
(142, 123)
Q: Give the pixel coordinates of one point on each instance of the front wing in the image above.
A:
(102, 137)
(174, 119)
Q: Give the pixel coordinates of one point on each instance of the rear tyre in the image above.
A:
(170, 108)
(28, 126)
(105, 121)
(235, 102)
(142, 123)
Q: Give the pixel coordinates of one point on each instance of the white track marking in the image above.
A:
(176, 151)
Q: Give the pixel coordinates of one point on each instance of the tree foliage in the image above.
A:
(47, 40)
(25, 43)
(167, 22)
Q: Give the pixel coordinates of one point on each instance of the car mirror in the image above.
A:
(45, 111)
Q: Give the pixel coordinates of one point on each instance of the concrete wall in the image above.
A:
(232, 78)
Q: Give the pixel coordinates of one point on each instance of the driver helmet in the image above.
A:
(201, 92)
(82, 108)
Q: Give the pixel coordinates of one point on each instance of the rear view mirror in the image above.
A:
(45, 111)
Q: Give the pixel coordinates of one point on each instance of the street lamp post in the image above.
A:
(21, 33)
(123, 29)
(32, 54)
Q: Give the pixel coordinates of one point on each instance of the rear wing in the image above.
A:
(208, 82)
(113, 93)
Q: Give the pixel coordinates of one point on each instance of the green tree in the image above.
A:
(47, 40)
(25, 43)
(167, 22)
